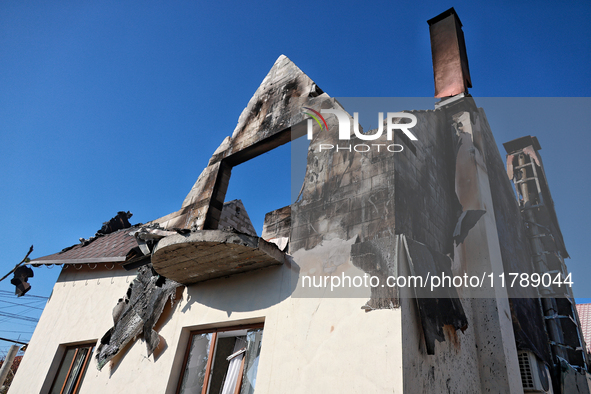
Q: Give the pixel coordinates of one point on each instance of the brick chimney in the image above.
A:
(448, 49)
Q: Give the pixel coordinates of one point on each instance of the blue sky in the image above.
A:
(119, 105)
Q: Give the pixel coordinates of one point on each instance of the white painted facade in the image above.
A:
(309, 345)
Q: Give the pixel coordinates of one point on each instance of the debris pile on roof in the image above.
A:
(119, 222)
(148, 236)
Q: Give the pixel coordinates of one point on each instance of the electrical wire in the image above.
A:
(17, 332)
(28, 295)
(13, 304)
(19, 317)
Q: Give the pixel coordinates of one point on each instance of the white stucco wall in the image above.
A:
(309, 345)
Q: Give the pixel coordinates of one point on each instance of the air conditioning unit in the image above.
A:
(535, 375)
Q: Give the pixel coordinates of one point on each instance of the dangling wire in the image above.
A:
(78, 269)
(92, 267)
(112, 266)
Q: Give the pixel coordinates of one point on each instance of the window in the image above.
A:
(72, 369)
(222, 361)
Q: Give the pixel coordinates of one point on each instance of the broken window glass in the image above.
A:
(195, 369)
(222, 361)
(253, 350)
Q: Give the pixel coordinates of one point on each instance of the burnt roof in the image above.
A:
(113, 247)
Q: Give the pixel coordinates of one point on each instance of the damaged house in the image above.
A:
(197, 302)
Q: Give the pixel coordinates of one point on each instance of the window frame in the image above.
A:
(89, 345)
(214, 331)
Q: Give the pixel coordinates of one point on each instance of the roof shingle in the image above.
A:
(108, 248)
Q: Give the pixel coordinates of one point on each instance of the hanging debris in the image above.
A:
(21, 277)
(466, 222)
(379, 258)
(444, 312)
(137, 313)
(148, 236)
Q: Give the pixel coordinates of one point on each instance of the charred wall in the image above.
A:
(426, 204)
(526, 311)
(374, 194)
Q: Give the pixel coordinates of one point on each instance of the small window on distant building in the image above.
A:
(72, 369)
(222, 361)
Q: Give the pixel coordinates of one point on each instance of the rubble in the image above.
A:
(118, 222)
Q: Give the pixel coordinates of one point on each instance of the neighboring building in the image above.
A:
(584, 311)
(15, 364)
(221, 310)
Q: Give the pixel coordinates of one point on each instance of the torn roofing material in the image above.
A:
(435, 313)
(136, 314)
(381, 258)
(467, 220)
